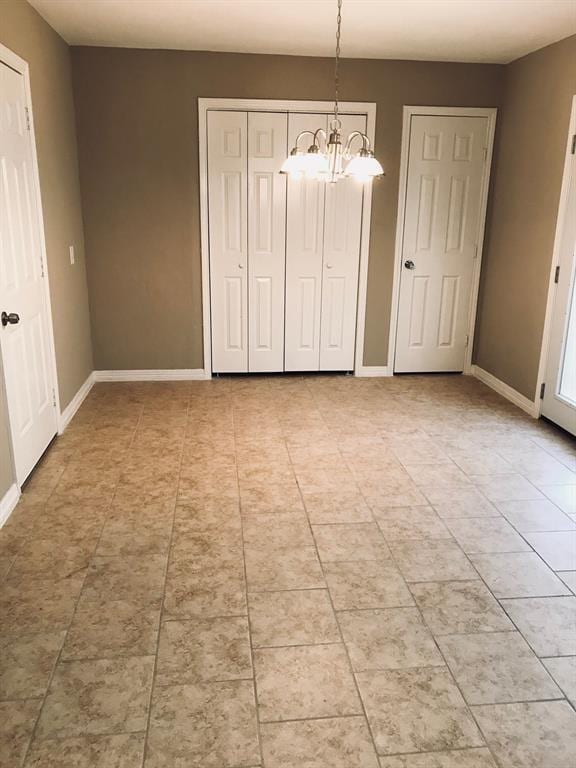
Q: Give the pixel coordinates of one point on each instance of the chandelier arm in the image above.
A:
(320, 132)
(304, 133)
(352, 136)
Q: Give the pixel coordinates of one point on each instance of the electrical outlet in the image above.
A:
(72, 255)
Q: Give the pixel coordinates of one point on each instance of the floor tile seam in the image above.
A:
(248, 620)
(286, 646)
(163, 595)
(202, 682)
(344, 646)
(435, 641)
(532, 548)
(520, 631)
(59, 655)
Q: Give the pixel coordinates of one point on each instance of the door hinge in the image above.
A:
(27, 118)
(467, 340)
(557, 273)
(53, 397)
(476, 251)
(542, 390)
(573, 151)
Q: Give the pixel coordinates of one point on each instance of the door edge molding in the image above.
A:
(562, 213)
(531, 407)
(490, 113)
(8, 503)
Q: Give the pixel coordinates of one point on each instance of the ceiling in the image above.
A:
(496, 31)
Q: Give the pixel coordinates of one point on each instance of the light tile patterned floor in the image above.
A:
(293, 572)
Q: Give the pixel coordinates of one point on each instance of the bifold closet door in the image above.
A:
(304, 246)
(341, 259)
(227, 200)
(267, 147)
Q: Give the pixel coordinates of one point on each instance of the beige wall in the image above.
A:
(138, 147)
(522, 218)
(27, 34)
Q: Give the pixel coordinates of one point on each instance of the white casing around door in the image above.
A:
(441, 231)
(267, 148)
(341, 261)
(304, 254)
(559, 402)
(227, 199)
(25, 346)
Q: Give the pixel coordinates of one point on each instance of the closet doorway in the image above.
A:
(284, 261)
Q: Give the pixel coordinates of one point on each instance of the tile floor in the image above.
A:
(293, 572)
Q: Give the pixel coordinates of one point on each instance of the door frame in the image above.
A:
(409, 111)
(550, 300)
(21, 66)
(281, 105)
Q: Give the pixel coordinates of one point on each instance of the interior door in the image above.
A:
(267, 148)
(341, 260)
(227, 201)
(441, 230)
(304, 255)
(559, 403)
(24, 332)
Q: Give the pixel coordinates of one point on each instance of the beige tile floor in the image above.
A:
(293, 572)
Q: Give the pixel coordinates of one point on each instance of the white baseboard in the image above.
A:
(374, 370)
(68, 413)
(8, 502)
(176, 374)
(529, 406)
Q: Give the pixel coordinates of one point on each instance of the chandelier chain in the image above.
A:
(337, 62)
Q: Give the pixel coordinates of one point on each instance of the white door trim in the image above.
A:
(281, 105)
(490, 113)
(18, 64)
(562, 213)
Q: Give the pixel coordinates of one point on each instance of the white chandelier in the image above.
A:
(335, 160)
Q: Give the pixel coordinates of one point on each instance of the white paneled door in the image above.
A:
(24, 332)
(304, 256)
(440, 241)
(341, 260)
(267, 148)
(284, 253)
(227, 196)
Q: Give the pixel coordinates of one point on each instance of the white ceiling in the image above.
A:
(496, 31)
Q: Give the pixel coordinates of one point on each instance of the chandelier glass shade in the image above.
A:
(327, 157)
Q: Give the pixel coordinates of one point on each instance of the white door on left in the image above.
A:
(24, 332)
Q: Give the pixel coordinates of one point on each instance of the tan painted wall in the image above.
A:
(27, 34)
(522, 218)
(138, 147)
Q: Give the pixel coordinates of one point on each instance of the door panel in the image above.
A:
(559, 403)
(25, 346)
(304, 256)
(441, 223)
(341, 259)
(267, 148)
(227, 200)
